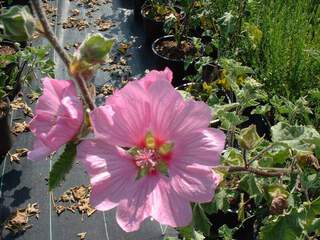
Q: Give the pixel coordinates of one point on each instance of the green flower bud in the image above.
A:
(94, 49)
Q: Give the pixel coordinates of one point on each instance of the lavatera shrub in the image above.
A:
(151, 152)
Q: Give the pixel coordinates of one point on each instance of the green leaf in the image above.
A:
(219, 202)
(188, 233)
(232, 157)
(314, 226)
(229, 120)
(249, 138)
(225, 232)
(200, 220)
(296, 137)
(249, 185)
(63, 165)
(283, 227)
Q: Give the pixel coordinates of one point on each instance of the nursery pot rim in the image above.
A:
(146, 4)
(155, 42)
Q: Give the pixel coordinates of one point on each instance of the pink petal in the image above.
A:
(135, 208)
(130, 118)
(53, 91)
(112, 172)
(172, 116)
(155, 76)
(201, 147)
(101, 118)
(39, 152)
(166, 105)
(168, 207)
(194, 183)
(59, 115)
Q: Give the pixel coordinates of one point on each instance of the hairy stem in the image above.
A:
(270, 172)
(36, 4)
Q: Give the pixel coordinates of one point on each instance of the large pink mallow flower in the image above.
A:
(58, 118)
(152, 153)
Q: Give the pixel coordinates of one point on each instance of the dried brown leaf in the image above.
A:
(20, 128)
(19, 153)
(82, 235)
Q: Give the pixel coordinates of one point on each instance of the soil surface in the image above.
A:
(170, 49)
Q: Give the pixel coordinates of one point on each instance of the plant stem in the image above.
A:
(36, 4)
(83, 85)
(276, 172)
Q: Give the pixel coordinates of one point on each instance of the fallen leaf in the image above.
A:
(60, 209)
(104, 25)
(20, 128)
(82, 235)
(78, 23)
(19, 153)
(33, 210)
(123, 48)
(75, 12)
(18, 221)
(79, 192)
(19, 103)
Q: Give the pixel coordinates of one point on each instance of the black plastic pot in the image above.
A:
(5, 133)
(137, 9)
(176, 65)
(153, 28)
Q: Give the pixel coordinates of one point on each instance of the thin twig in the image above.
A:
(258, 171)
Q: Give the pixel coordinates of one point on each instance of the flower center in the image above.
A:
(147, 158)
(152, 157)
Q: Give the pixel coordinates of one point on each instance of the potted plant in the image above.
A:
(154, 14)
(177, 51)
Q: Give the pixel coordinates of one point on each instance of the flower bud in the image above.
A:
(17, 24)
(94, 49)
(278, 204)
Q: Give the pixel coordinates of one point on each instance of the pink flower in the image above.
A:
(58, 118)
(152, 154)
